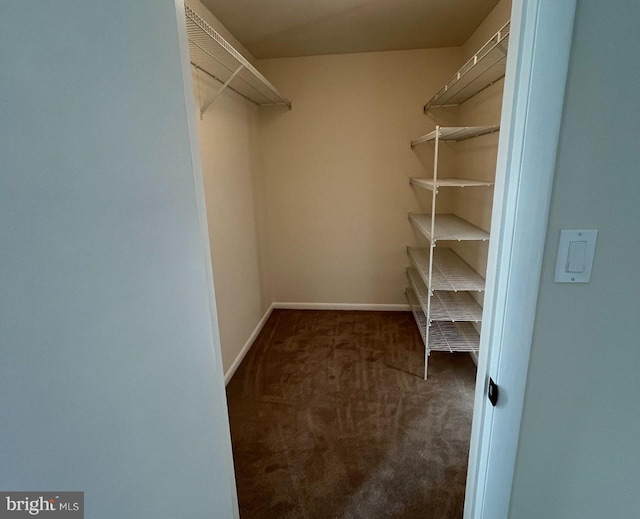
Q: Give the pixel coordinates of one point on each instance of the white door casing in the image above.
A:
(227, 471)
(537, 65)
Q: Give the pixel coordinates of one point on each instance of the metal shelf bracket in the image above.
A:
(220, 90)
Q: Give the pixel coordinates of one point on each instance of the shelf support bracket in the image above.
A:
(224, 85)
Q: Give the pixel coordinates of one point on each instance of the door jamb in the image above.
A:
(537, 66)
(218, 377)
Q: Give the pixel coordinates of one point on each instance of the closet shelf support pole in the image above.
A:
(224, 85)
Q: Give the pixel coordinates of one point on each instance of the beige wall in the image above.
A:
(578, 454)
(500, 14)
(336, 172)
(110, 373)
(476, 158)
(229, 152)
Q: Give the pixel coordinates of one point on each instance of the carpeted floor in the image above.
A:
(330, 419)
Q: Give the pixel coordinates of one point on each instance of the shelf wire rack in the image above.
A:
(487, 66)
(216, 57)
(449, 271)
(428, 183)
(455, 133)
(447, 227)
(441, 335)
(445, 306)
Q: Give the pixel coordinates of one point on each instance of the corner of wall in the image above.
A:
(229, 149)
(500, 14)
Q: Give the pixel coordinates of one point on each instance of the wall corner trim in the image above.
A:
(247, 345)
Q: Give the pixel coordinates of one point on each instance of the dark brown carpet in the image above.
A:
(330, 419)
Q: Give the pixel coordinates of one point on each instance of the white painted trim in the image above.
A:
(537, 64)
(344, 306)
(247, 346)
(224, 442)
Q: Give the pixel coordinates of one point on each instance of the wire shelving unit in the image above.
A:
(485, 68)
(216, 57)
(440, 281)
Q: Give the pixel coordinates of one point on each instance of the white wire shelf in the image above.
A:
(455, 307)
(453, 337)
(443, 336)
(485, 68)
(448, 227)
(455, 133)
(427, 183)
(445, 306)
(450, 272)
(215, 56)
(418, 314)
(419, 287)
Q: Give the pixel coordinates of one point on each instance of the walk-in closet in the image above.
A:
(319, 259)
(349, 168)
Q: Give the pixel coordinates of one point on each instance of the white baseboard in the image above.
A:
(343, 306)
(247, 346)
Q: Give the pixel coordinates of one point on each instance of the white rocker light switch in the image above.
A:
(575, 255)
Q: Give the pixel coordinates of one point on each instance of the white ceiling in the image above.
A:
(286, 28)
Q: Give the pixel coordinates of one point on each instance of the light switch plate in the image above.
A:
(575, 255)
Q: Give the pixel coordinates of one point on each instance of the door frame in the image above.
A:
(537, 65)
(220, 393)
